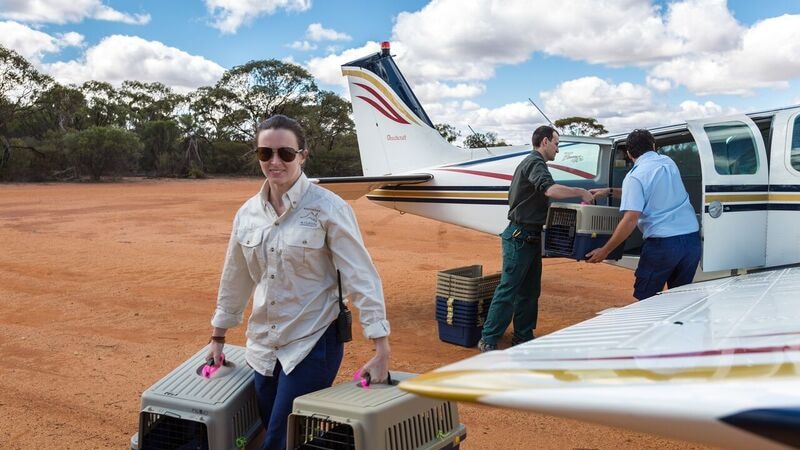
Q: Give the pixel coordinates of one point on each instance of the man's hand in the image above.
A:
(597, 255)
(587, 196)
(600, 192)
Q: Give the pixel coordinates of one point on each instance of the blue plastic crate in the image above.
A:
(456, 312)
(478, 306)
(459, 320)
(559, 241)
(465, 336)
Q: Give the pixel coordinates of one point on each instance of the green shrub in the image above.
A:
(99, 151)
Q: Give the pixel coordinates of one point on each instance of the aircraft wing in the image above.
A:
(716, 362)
(352, 188)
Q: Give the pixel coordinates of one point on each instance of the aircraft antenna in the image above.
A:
(542, 113)
(480, 139)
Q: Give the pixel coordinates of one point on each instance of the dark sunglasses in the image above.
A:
(286, 154)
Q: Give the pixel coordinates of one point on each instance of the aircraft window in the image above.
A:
(575, 161)
(795, 155)
(687, 158)
(733, 147)
(685, 155)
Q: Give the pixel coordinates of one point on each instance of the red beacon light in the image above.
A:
(385, 47)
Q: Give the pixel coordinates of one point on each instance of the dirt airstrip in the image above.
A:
(105, 288)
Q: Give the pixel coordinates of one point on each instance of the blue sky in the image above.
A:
(629, 63)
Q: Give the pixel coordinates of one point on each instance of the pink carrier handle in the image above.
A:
(210, 368)
(363, 380)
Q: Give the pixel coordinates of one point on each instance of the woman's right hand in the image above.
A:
(215, 352)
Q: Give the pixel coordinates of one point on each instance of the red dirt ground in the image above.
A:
(105, 288)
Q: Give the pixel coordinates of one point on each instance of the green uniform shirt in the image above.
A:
(527, 204)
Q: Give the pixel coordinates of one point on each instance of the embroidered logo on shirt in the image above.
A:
(309, 218)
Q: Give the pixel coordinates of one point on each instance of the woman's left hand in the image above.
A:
(378, 366)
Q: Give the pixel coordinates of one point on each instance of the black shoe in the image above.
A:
(486, 347)
(515, 341)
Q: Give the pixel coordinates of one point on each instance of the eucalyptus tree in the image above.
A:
(60, 109)
(262, 88)
(148, 102)
(104, 105)
(20, 87)
(327, 120)
(448, 132)
(488, 139)
(580, 126)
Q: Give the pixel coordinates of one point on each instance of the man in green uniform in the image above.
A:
(529, 196)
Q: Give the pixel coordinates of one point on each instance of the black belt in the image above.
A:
(535, 229)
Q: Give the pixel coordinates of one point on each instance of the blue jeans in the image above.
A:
(517, 295)
(276, 393)
(672, 261)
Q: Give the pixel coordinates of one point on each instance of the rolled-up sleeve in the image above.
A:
(235, 286)
(540, 177)
(360, 279)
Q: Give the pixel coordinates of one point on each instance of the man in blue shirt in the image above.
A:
(653, 196)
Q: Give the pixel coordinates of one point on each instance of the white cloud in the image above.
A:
(328, 68)
(58, 11)
(229, 15)
(469, 105)
(433, 91)
(768, 56)
(621, 107)
(33, 44)
(316, 32)
(302, 46)
(614, 32)
(593, 97)
(693, 43)
(117, 58)
(659, 84)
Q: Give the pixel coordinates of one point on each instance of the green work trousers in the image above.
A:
(517, 295)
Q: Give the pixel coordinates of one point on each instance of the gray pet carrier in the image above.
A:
(381, 417)
(185, 411)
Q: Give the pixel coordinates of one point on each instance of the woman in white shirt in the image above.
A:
(286, 245)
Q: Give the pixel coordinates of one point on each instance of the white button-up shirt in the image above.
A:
(291, 261)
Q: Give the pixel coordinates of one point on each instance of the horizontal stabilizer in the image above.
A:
(352, 188)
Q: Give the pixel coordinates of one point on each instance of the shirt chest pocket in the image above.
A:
(304, 247)
(250, 240)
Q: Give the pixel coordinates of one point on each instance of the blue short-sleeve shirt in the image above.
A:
(655, 189)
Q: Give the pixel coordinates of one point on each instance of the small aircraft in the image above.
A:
(716, 361)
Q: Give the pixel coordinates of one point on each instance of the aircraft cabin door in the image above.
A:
(735, 192)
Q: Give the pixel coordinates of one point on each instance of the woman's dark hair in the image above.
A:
(281, 122)
(639, 142)
(541, 133)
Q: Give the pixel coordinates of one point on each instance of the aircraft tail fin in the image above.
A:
(395, 135)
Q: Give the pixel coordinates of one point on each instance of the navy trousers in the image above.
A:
(671, 260)
(276, 393)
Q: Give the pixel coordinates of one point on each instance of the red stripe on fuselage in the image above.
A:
(572, 170)
(480, 173)
(503, 176)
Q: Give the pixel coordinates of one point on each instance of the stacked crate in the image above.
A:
(463, 296)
